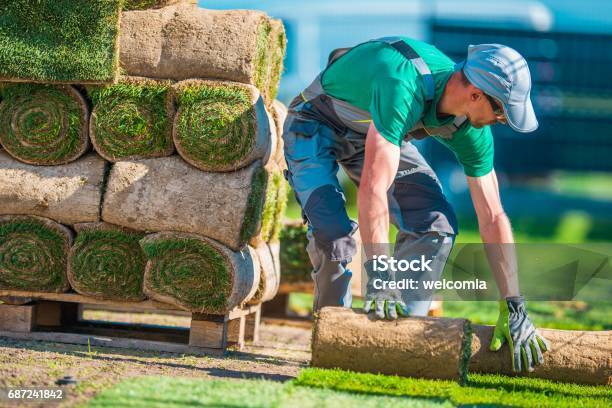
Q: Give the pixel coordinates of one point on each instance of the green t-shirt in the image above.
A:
(376, 77)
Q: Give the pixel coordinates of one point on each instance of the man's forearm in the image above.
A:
(497, 236)
(373, 220)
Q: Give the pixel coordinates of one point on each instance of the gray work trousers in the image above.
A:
(417, 206)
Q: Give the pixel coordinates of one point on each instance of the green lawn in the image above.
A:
(332, 388)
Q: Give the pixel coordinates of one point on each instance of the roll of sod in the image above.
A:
(153, 4)
(132, 119)
(583, 357)
(71, 41)
(68, 194)
(107, 262)
(413, 347)
(33, 254)
(275, 251)
(279, 113)
(220, 126)
(268, 278)
(43, 124)
(294, 260)
(167, 194)
(198, 274)
(181, 42)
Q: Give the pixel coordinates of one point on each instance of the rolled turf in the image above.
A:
(107, 262)
(583, 357)
(275, 57)
(33, 254)
(226, 207)
(198, 274)
(69, 194)
(59, 40)
(43, 124)
(220, 126)
(132, 119)
(294, 260)
(421, 347)
(181, 42)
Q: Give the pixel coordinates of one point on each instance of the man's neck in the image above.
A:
(449, 103)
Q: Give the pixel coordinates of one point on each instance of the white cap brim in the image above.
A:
(521, 117)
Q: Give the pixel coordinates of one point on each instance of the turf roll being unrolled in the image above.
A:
(72, 41)
(183, 41)
(421, 347)
(221, 126)
(269, 279)
(583, 357)
(68, 194)
(198, 274)
(107, 262)
(167, 194)
(132, 119)
(33, 254)
(43, 124)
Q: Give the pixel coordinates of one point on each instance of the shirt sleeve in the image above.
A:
(394, 108)
(473, 149)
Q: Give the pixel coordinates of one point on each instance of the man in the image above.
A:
(361, 112)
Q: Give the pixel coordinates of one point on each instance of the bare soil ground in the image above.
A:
(278, 356)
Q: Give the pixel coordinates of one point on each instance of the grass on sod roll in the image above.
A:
(255, 205)
(59, 40)
(481, 389)
(294, 260)
(33, 256)
(147, 4)
(157, 391)
(270, 206)
(108, 264)
(215, 123)
(281, 205)
(278, 48)
(262, 57)
(42, 124)
(190, 271)
(132, 118)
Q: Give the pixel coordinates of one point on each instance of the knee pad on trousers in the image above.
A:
(331, 226)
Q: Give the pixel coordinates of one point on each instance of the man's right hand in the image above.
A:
(384, 302)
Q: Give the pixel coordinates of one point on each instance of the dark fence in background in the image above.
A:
(572, 95)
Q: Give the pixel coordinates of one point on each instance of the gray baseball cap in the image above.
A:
(502, 73)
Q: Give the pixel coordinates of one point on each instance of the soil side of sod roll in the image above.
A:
(421, 347)
(583, 357)
(33, 254)
(132, 119)
(182, 41)
(198, 274)
(65, 41)
(279, 113)
(68, 194)
(167, 194)
(220, 126)
(43, 124)
(107, 262)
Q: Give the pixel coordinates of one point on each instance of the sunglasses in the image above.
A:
(498, 110)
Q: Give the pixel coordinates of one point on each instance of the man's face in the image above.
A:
(484, 110)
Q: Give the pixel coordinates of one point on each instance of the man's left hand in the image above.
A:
(514, 326)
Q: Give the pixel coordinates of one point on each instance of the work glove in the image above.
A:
(513, 325)
(383, 302)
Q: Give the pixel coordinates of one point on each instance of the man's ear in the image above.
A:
(475, 94)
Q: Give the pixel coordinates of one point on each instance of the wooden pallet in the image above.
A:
(57, 317)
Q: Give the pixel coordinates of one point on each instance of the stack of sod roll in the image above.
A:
(141, 151)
